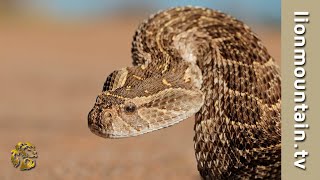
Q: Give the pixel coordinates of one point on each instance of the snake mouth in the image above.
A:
(98, 130)
(101, 132)
(94, 123)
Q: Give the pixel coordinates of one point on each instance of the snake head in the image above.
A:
(135, 101)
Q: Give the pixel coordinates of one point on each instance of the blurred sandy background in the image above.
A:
(54, 59)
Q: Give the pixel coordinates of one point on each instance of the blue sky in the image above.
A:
(253, 10)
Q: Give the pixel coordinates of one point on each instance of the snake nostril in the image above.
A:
(108, 114)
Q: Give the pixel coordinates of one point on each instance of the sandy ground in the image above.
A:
(50, 75)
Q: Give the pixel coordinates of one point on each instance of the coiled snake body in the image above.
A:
(191, 60)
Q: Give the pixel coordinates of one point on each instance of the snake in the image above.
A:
(199, 61)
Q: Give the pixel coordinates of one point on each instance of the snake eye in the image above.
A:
(130, 108)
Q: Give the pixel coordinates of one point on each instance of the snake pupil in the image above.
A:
(130, 108)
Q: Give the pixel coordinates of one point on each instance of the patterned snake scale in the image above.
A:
(192, 60)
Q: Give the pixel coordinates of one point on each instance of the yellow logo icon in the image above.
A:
(24, 155)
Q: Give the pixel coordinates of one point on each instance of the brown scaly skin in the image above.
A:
(197, 60)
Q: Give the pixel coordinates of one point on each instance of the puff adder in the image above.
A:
(192, 60)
